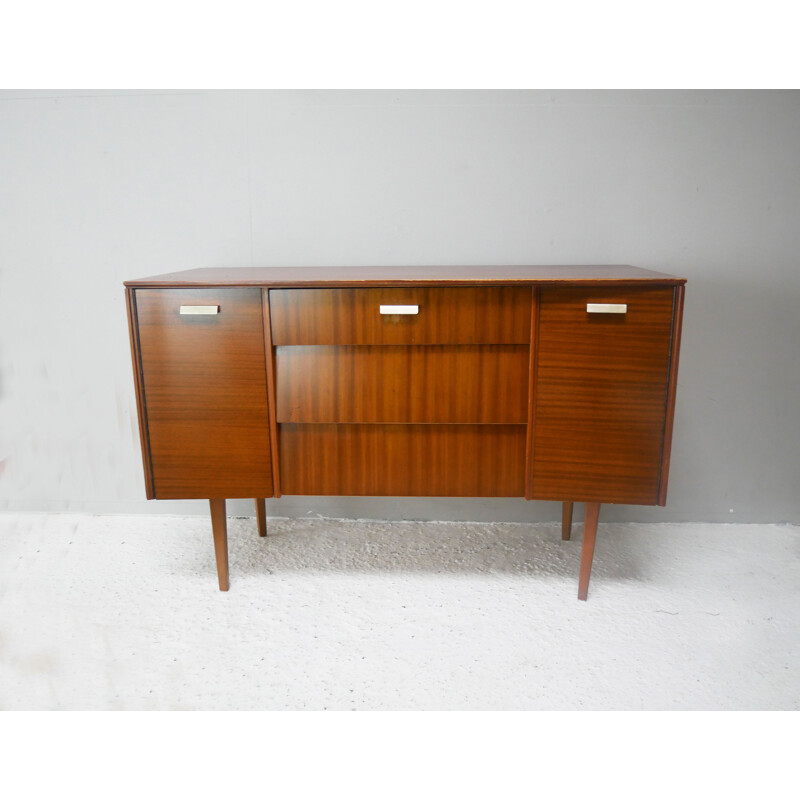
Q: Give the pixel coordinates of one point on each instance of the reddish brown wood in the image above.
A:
(141, 405)
(672, 388)
(591, 515)
(533, 352)
(271, 395)
(409, 406)
(399, 276)
(469, 315)
(600, 395)
(566, 520)
(205, 391)
(219, 528)
(261, 516)
(433, 383)
(404, 460)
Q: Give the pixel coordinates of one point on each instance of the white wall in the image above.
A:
(98, 187)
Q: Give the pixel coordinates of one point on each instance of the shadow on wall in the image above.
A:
(736, 446)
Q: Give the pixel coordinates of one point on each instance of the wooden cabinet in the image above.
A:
(538, 382)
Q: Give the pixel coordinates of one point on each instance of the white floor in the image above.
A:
(123, 612)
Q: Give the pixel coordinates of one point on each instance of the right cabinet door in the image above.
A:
(600, 393)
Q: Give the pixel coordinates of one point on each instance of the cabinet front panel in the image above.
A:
(430, 384)
(600, 393)
(403, 460)
(469, 315)
(205, 391)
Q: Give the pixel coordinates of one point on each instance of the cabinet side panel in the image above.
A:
(269, 352)
(205, 386)
(677, 324)
(601, 387)
(533, 358)
(141, 406)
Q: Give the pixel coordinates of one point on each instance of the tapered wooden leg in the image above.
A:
(219, 526)
(587, 551)
(261, 516)
(566, 521)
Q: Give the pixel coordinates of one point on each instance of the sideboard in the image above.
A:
(548, 383)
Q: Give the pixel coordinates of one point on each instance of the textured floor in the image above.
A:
(123, 612)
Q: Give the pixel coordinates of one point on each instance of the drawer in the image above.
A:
(442, 315)
(403, 460)
(600, 393)
(401, 383)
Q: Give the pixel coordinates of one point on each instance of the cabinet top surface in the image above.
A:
(400, 276)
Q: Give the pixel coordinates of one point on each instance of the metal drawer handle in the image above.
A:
(199, 309)
(607, 308)
(399, 309)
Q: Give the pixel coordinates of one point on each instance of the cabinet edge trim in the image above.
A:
(138, 381)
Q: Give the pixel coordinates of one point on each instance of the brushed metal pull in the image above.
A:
(399, 309)
(199, 309)
(607, 308)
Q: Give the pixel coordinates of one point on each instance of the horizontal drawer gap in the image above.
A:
(409, 424)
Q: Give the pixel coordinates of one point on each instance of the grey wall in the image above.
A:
(99, 187)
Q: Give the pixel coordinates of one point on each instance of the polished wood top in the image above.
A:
(399, 276)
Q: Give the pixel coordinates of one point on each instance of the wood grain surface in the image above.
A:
(423, 384)
(575, 274)
(205, 392)
(533, 357)
(141, 410)
(469, 315)
(672, 389)
(403, 460)
(269, 351)
(600, 395)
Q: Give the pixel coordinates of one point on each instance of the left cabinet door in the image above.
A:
(203, 387)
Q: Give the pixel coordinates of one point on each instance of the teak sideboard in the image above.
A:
(548, 383)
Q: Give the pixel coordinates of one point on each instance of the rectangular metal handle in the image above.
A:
(607, 308)
(399, 309)
(199, 309)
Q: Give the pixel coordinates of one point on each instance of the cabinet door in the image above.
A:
(204, 388)
(600, 393)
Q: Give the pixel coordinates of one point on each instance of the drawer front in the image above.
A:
(600, 393)
(468, 315)
(403, 460)
(412, 384)
(205, 391)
